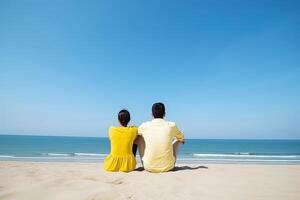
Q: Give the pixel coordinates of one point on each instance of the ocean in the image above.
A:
(92, 149)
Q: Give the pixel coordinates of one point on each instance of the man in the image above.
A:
(156, 141)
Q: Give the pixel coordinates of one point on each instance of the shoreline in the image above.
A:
(88, 181)
(179, 162)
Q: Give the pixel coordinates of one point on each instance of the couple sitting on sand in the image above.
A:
(158, 142)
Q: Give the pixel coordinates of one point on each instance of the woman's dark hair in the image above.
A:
(124, 117)
(158, 110)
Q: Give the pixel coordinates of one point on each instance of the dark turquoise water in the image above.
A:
(88, 149)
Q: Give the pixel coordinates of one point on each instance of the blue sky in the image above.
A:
(224, 69)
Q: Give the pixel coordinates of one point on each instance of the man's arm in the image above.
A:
(140, 141)
(178, 135)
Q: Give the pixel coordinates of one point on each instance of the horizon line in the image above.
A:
(88, 136)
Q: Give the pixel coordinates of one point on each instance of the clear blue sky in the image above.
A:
(224, 69)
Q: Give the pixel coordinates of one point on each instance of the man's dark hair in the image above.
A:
(124, 117)
(158, 110)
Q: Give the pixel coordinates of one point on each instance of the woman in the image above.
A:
(121, 137)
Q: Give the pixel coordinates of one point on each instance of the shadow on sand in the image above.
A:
(139, 169)
(188, 168)
(181, 168)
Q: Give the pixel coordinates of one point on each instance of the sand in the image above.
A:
(66, 181)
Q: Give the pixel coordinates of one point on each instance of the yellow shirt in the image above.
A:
(121, 157)
(159, 136)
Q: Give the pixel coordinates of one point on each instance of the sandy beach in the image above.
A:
(87, 181)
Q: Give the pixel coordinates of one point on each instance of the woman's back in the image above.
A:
(121, 157)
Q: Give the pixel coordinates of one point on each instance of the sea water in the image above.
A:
(92, 149)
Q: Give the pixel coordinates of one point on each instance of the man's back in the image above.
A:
(159, 135)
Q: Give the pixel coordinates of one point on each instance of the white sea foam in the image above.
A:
(244, 155)
(52, 158)
(90, 154)
(236, 160)
(58, 154)
(6, 156)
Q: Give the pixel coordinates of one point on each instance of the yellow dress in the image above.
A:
(121, 157)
